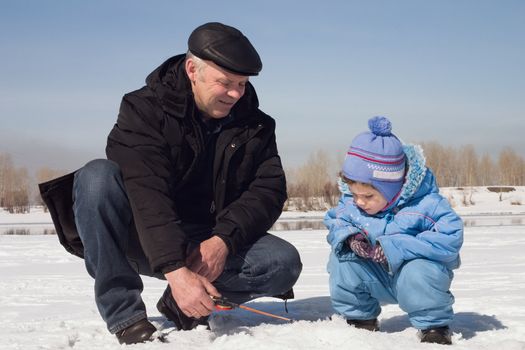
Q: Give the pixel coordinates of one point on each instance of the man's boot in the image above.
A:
(169, 308)
(139, 332)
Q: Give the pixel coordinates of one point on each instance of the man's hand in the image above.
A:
(209, 258)
(192, 292)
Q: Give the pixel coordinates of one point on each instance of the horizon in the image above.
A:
(447, 72)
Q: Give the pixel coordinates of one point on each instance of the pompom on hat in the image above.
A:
(225, 46)
(376, 157)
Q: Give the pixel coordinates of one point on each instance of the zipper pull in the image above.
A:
(212, 207)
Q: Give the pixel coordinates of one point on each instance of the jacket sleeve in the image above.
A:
(339, 229)
(440, 242)
(255, 211)
(137, 145)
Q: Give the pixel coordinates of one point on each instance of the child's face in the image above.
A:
(367, 198)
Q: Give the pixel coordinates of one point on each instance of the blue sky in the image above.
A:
(451, 71)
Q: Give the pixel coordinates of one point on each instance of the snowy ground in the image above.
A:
(46, 300)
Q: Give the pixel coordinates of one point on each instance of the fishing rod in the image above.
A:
(224, 304)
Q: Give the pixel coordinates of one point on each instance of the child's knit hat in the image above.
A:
(376, 157)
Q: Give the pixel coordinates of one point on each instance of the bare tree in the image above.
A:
(443, 162)
(520, 171)
(434, 157)
(468, 167)
(510, 167)
(16, 194)
(331, 193)
(14, 186)
(310, 184)
(486, 171)
(5, 166)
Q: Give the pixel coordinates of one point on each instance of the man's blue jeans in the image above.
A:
(270, 266)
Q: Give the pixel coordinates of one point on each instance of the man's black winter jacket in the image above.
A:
(157, 143)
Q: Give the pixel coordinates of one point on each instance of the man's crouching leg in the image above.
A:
(268, 267)
(103, 217)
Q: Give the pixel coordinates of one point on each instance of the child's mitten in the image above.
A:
(377, 255)
(359, 245)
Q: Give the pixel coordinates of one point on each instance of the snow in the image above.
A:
(479, 200)
(46, 296)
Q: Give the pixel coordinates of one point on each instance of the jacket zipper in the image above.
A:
(221, 179)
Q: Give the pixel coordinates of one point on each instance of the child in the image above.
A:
(394, 238)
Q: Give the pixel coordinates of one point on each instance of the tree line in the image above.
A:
(312, 185)
(18, 188)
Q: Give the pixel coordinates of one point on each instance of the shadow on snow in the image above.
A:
(468, 324)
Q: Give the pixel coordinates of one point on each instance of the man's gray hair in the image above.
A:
(199, 62)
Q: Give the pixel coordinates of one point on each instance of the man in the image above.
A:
(192, 183)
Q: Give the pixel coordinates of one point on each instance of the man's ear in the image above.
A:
(191, 69)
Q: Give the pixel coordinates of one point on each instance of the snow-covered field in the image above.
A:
(46, 298)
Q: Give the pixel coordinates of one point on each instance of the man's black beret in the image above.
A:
(226, 47)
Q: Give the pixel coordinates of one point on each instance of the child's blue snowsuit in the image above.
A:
(420, 235)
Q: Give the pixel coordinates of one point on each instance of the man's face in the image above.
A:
(216, 90)
(367, 198)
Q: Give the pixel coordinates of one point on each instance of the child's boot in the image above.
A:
(370, 325)
(438, 335)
